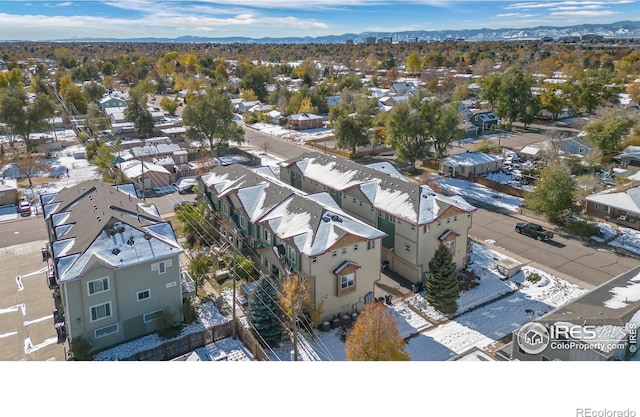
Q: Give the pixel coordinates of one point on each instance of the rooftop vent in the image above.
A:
(326, 219)
(147, 236)
(130, 241)
(119, 229)
(110, 231)
(115, 251)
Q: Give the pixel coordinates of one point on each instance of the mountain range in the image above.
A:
(618, 30)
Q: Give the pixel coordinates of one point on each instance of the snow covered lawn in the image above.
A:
(474, 192)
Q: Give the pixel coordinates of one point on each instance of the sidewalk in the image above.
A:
(536, 265)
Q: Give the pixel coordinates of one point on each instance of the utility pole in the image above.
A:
(233, 277)
(295, 329)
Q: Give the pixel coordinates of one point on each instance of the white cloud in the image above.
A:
(521, 15)
(551, 5)
(584, 13)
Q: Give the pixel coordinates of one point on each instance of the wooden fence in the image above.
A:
(503, 188)
(189, 343)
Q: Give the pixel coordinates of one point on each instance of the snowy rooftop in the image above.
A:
(612, 303)
(96, 222)
(416, 204)
(470, 159)
(313, 222)
(628, 200)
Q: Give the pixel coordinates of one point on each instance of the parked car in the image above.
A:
(534, 230)
(24, 208)
(184, 203)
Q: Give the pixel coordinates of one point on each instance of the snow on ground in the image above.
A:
(208, 316)
(629, 239)
(69, 171)
(479, 194)
(298, 136)
(506, 306)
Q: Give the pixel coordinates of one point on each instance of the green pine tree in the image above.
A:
(442, 283)
(263, 312)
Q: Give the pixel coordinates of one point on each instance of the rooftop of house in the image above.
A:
(304, 116)
(470, 159)
(613, 303)
(97, 223)
(413, 203)
(626, 199)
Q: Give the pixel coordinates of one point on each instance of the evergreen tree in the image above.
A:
(443, 288)
(263, 312)
(375, 337)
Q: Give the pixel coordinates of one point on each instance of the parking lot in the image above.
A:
(26, 302)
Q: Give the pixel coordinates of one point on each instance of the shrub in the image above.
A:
(534, 277)
(189, 311)
(582, 228)
(80, 349)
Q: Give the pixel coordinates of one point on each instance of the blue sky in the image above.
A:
(46, 20)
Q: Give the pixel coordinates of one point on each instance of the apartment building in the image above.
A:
(114, 265)
(287, 231)
(415, 218)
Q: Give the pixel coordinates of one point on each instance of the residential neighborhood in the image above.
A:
(222, 204)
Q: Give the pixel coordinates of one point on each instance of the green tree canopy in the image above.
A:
(408, 132)
(609, 131)
(210, 117)
(554, 195)
(351, 120)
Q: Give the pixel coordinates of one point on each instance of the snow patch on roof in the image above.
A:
(622, 296)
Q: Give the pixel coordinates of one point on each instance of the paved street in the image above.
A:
(584, 265)
(26, 303)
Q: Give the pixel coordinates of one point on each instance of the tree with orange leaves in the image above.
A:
(375, 337)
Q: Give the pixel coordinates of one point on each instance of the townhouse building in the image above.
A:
(415, 218)
(114, 264)
(287, 231)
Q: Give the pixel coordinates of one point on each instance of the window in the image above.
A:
(355, 248)
(314, 260)
(334, 254)
(105, 331)
(360, 203)
(161, 267)
(439, 222)
(381, 215)
(225, 208)
(291, 254)
(581, 150)
(354, 201)
(371, 244)
(143, 295)
(344, 251)
(455, 218)
(347, 281)
(266, 236)
(407, 248)
(391, 219)
(242, 222)
(425, 228)
(451, 245)
(413, 227)
(152, 316)
(98, 285)
(448, 219)
(100, 311)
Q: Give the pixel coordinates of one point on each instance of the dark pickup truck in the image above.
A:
(534, 230)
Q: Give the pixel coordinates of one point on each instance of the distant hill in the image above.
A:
(624, 29)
